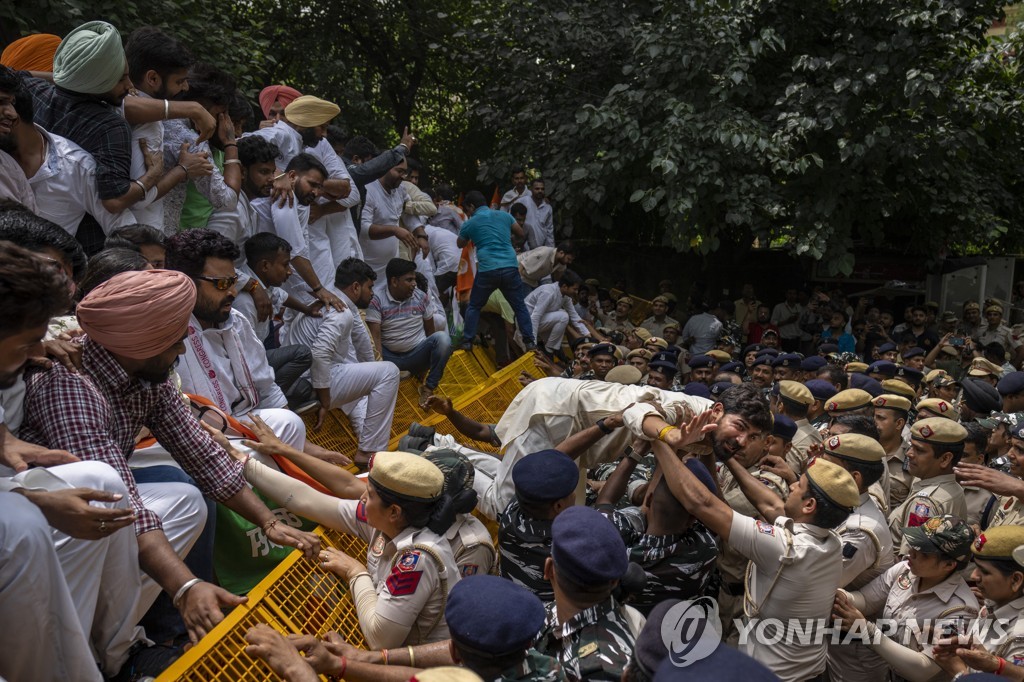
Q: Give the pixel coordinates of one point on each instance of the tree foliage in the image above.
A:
(818, 124)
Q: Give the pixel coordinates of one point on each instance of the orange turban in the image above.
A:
(31, 53)
(139, 314)
(277, 93)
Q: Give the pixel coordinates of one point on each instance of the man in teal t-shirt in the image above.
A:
(497, 267)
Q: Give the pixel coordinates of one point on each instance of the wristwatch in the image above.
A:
(632, 454)
(251, 286)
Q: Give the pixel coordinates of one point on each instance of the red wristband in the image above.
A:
(1002, 664)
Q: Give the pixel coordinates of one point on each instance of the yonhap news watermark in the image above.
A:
(692, 630)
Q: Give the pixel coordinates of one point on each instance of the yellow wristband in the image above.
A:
(661, 434)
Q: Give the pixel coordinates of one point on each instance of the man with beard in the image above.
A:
(90, 82)
(136, 324)
(381, 227)
(761, 373)
(539, 226)
(223, 360)
(62, 174)
(305, 177)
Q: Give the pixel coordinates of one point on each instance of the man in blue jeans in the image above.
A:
(497, 267)
(401, 323)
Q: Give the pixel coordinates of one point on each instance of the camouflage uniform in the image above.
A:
(523, 544)
(537, 667)
(677, 566)
(595, 644)
(641, 474)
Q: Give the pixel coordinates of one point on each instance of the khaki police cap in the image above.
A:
(642, 333)
(993, 308)
(889, 401)
(900, 388)
(795, 391)
(998, 542)
(980, 367)
(855, 447)
(407, 475)
(624, 374)
(639, 353)
(720, 356)
(847, 401)
(657, 341)
(856, 366)
(937, 407)
(660, 298)
(625, 299)
(835, 483)
(938, 431)
(934, 374)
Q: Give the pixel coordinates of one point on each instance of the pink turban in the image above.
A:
(139, 314)
(31, 53)
(277, 93)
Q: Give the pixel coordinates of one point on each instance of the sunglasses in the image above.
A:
(220, 283)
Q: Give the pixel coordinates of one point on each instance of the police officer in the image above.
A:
(545, 484)
(493, 623)
(793, 399)
(786, 366)
(822, 391)
(936, 447)
(891, 418)
(937, 407)
(796, 559)
(1008, 510)
(850, 401)
(587, 630)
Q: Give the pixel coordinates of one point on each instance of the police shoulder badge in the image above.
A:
(764, 527)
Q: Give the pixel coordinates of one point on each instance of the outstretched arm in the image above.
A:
(767, 503)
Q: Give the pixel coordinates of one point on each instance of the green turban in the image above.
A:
(90, 59)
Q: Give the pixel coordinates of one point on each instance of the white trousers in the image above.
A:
(366, 392)
(552, 329)
(66, 603)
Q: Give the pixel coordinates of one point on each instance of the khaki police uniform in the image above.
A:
(928, 497)
(900, 479)
(795, 569)
(1007, 511)
(879, 491)
(976, 500)
(806, 436)
(731, 564)
(1009, 643)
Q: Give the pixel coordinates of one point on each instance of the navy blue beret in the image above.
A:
(913, 352)
(698, 469)
(763, 359)
(774, 352)
(784, 427)
(650, 649)
(788, 360)
(719, 387)
(813, 363)
(981, 396)
(827, 348)
(699, 361)
(735, 367)
(492, 615)
(602, 349)
(1011, 384)
(753, 348)
(866, 383)
(665, 356)
(883, 367)
(725, 664)
(887, 347)
(582, 339)
(545, 476)
(697, 389)
(820, 389)
(915, 376)
(586, 547)
(662, 367)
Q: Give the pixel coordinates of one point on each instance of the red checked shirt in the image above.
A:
(97, 414)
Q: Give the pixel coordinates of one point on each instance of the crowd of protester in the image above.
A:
(182, 280)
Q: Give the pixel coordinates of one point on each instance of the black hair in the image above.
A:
(336, 135)
(518, 170)
(414, 164)
(351, 271)
(264, 246)
(304, 162)
(994, 350)
(398, 267)
(255, 149)
(35, 233)
(360, 146)
(421, 282)
(536, 180)
(826, 514)
(569, 278)
(860, 424)
(187, 251)
(208, 83)
(134, 237)
(977, 434)
(957, 450)
(915, 308)
(567, 247)
(150, 49)
(794, 409)
(475, 199)
(518, 209)
(745, 401)
(240, 111)
(437, 515)
(32, 290)
(836, 375)
(1005, 566)
(444, 192)
(107, 263)
(12, 82)
(870, 472)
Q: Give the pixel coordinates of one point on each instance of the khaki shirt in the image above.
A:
(658, 328)
(806, 436)
(795, 571)
(867, 544)
(1006, 641)
(928, 497)
(879, 492)
(976, 500)
(731, 563)
(1007, 511)
(899, 480)
(538, 263)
